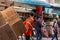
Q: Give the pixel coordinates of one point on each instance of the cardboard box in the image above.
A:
(9, 12)
(2, 1)
(6, 33)
(18, 27)
(2, 8)
(17, 4)
(2, 21)
(10, 15)
(8, 2)
(14, 21)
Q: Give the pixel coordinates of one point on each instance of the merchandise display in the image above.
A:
(6, 33)
(11, 16)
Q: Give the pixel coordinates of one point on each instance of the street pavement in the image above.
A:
(48, 38)
(34, 38)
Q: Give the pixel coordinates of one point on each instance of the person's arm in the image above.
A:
(30, 25)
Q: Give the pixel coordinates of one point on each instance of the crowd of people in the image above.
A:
(43, 29)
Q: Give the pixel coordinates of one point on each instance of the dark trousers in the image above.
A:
(39, 35)
(55, 36)
(27, 37)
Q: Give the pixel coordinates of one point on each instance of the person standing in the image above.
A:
(28, 24)
(38, 26)
(55, 31)
(58, 22)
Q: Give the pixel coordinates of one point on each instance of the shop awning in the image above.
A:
(41, 3)
(55, 5)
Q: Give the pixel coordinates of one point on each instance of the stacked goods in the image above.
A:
(14, 21)
(2, 21)
(2, 1)
(9, 3)
(18, 28)
(10, 15)
(6, 33)
(2, 5)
